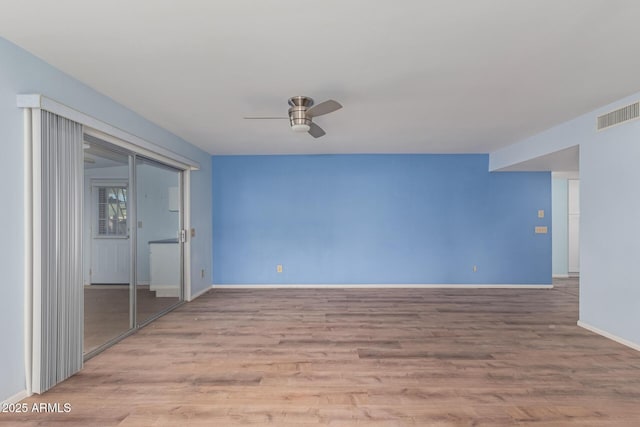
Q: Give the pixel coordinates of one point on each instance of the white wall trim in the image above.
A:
(200, 293)
(381, 286)
(35, 278)
(16, 397)
(560, 276)
(609, 335)
(28, 247)
(140, 145)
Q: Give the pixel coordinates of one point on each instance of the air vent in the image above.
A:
(621, 115)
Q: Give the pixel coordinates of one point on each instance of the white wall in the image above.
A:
(609, 232)
(609, 212)
(23, 73)
(12, 260)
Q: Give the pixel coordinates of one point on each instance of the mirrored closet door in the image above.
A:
(107, 243)
(132, 235)
(159, 247)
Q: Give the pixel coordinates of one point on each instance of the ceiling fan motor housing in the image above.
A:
(298, 113)
(303, 111)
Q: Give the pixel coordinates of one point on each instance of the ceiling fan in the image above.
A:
(302, 112)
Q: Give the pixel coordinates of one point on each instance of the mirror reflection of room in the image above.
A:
(114, 217)
(158, 248)
(107, 257)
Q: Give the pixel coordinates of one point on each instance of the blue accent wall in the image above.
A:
(367, 219)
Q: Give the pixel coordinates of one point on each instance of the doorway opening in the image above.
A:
(565, 208)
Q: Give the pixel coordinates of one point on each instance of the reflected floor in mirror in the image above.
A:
(106, 311)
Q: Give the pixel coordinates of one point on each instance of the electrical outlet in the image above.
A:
(202, 273)
(475, 268)
(279, 268)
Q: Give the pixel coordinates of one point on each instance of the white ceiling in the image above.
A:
(414, 76)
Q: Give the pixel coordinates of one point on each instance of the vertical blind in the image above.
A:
(58, 296)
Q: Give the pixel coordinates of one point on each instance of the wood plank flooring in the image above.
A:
(349, 357)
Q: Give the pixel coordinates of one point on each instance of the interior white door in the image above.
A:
(110, 249)
(110, 260)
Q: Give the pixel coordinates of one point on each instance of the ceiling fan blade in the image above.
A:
(316, 131)
(266, 118)
(325, 107)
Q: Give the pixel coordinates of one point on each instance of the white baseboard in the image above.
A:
(16, 397)
(608, 335)
(200, 293)
(381, 286)
(560, 276)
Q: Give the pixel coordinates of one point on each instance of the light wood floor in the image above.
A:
(424, 357)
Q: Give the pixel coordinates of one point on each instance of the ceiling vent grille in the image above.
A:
(618, 116)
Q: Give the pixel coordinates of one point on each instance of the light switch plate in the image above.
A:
(541, 230)
(279, 268)
(541, 213)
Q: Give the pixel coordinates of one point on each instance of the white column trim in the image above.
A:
(28, 247)
(35, 285)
